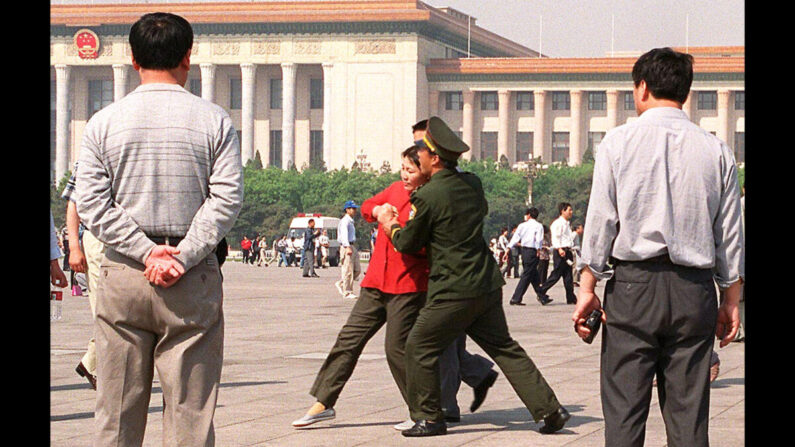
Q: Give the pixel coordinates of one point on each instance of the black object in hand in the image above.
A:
(593, 322)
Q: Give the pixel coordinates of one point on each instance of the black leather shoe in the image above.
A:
(544, 300)
(482, 389)
(314, 275)
(517, 304)
(555, 421)
(83, 372)
(426, 428)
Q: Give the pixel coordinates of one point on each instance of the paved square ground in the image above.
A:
(279, 327)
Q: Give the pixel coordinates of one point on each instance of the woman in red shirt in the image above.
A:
(393, 292)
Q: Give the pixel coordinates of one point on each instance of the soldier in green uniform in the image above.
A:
(464, 288)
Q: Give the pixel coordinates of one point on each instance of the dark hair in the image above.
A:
(533, 212)
(160, 40)
(420, 125)
(562, 207)
(668, 73)
(310, 221)
(412, 154)
(504, 229)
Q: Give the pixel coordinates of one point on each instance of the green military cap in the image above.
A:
(442, 141)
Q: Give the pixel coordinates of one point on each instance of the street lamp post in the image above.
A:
(531, 170)
(361, 157)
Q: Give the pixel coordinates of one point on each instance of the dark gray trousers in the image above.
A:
(456, 364)
(309, 262)
(661, 319)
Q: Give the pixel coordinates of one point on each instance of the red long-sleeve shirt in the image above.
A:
(391, 271)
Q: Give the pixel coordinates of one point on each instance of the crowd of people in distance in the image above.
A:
(284, 251)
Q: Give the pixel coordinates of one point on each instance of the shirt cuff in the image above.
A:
(601, 273)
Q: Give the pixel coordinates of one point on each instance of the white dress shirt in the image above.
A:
(560, 231)
(346, 231)
(528, 234)
(662, 184)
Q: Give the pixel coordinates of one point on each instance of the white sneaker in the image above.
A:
(351, 296)
(338, 284)
(308, 419)
(404, 425)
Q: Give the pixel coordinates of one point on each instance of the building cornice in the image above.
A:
(299, 17)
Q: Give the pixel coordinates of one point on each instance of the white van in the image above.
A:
(301, 223)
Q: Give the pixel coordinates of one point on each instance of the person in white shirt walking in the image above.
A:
(529, 235)
(349, 255)
(562, 257)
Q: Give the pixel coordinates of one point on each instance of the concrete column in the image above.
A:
(248, 73)
(289, 70)
(503, 132)
(120, 73)
(687, 106)
(612, 109)
(433, 103)
(575, 131)
(724, 113)
(208, 81)
(540, 148)
(62, 75)
(468, 132)
(327, 107)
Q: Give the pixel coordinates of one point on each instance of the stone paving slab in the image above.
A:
(278, 328)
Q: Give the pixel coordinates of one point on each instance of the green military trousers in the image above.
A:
(373, 308)
(483, 319)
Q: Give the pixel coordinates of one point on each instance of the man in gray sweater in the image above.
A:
(160, 184)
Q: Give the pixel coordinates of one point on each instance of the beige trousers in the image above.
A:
(177, 330)
(350, 268)
(93, 250)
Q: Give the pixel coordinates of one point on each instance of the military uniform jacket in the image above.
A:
(447, 219)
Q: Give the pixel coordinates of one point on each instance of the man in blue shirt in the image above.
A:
(349, 255)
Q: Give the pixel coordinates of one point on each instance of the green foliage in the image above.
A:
(57, 204)
(561, 183)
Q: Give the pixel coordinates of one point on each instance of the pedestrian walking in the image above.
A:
(349, 255)
(562, 256)
(672, 187)
(543, 256)
(160, 183)
(529, 235)
(310, 233)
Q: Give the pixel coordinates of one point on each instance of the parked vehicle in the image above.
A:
(301, 222)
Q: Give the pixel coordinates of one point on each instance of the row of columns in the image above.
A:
(208, 71)
(577, 130)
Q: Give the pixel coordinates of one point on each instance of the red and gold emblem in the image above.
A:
(87, 43)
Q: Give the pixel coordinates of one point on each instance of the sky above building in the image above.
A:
(589, 28)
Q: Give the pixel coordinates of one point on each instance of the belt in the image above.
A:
(166, 240)
(661, 259)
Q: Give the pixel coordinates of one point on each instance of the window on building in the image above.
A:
(275, 151)
(739, 147)
(560, 147)
(195, 87)
(707, 100)
(629, 101)
(597, 101)
(316, 93)
(525, 101)
(453, 101)
(235, 94)
(739, 100)
(594, 138)
(561, 101)
(489, 101)
(524, 146)
(315, 147)
(276, 94)
(100, 95)
(488, 145)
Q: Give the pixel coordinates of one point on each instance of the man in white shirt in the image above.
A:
(562, 257)
(664, 227)
(349, 255)
(529, 235)
(323, 243)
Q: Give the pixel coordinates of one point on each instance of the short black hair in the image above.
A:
(420, 125)
(533, 212)
(412, 154)
(562, 207)
(160, 40)
(310, 221)
(668, 73)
